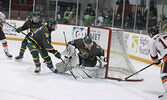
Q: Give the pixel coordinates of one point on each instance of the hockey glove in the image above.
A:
(18, 30)
(157, 62)
(57, 54)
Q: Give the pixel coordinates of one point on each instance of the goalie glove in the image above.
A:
(102, 61)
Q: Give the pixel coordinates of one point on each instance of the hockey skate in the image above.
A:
(53, 70)
(162, 97)
(37, 70)
(19, 57)
(8, 55)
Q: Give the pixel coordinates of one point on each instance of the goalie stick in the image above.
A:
(140, 70)
(69, 69)
(86, 73)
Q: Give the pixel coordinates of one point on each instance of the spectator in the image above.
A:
(118, 21)
(59, 15)
(72, 17)
(162, 22)
(152, 20)
(88, 16)
(153, 9)
(118, 2)
(100, 18)
(67, 13)
(128, 23)
(139, 21)
(108, 18)
(5, 5)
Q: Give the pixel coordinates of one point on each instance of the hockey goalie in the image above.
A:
(83, 55)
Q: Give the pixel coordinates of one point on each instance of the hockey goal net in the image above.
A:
(118, 62)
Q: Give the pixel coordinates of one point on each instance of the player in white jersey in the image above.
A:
(158, 46)
(2, 36)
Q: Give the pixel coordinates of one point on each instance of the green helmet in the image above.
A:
(51, 21)
(87, 39)
(35, 16)
(36, 13)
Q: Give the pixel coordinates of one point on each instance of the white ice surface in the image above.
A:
(18, 82)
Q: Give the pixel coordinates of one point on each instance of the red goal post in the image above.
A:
(118, 62)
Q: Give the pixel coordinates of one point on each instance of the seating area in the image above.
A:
(20, 10)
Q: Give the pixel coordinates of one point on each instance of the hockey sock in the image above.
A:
(37, 62)
(5, 45)
(164, 80)
(21, 53)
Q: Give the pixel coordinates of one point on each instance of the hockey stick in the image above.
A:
(69, 69)
(140, 70)
(65, 39)
(86, 73)
(31, 39)
(14, 27)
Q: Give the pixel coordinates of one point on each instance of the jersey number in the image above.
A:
(162, 41)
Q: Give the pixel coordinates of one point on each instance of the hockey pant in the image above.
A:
(35, 51)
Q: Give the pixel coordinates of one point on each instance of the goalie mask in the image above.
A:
(52, 24)
(88, 42)
(152, 31)
(36, 17)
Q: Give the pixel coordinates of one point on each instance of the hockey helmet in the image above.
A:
(35, 16)
(51, 23)
(88, 41)
(153, 31)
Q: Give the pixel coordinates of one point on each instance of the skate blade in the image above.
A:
(18, 59)
(9, 58)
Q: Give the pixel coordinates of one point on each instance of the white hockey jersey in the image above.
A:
(158, 44)
(2, 17)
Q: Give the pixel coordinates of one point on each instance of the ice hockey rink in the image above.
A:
(18, 82)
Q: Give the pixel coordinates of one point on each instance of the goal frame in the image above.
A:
(108, 52)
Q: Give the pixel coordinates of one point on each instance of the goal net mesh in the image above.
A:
(118, 62)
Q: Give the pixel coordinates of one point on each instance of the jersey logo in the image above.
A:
(33, 46)
(47, 35)
(83, 53)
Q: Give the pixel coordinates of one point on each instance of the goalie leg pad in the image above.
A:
(61, 67)
(95, 72)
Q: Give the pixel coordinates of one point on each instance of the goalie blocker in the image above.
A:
(89, 57)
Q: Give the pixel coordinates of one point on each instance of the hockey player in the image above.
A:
(33, 22)
(3, 37)
(158, 45)
(89, 54)
(88, 50)
(40, 42)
